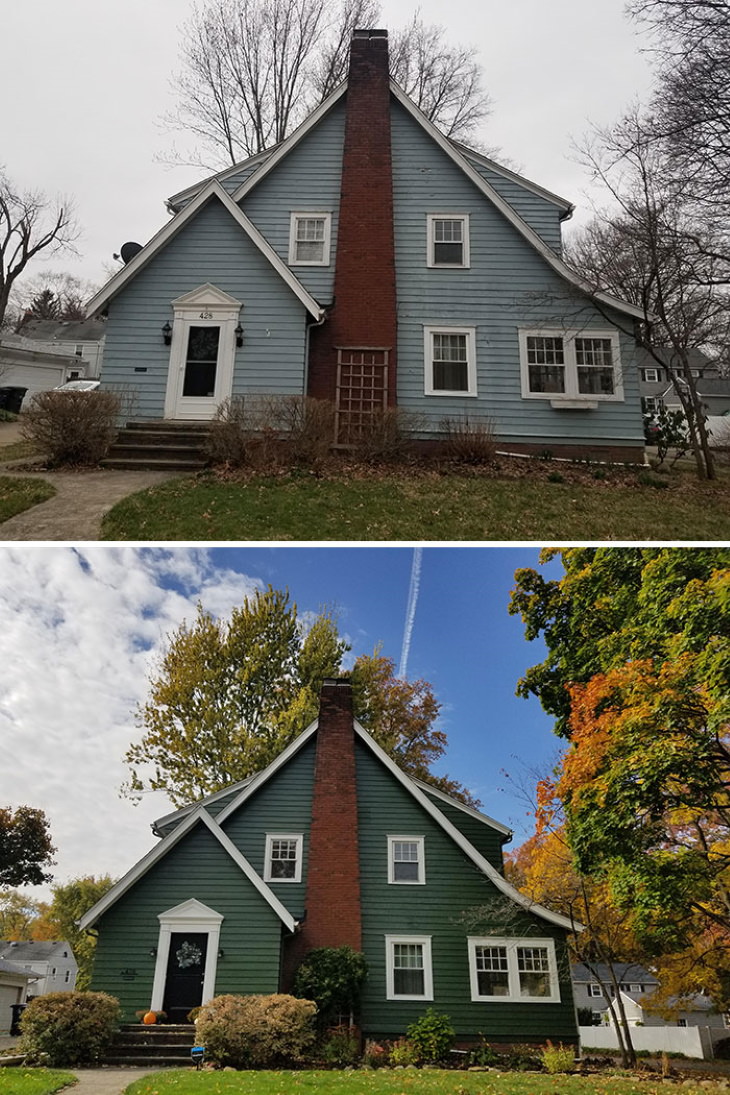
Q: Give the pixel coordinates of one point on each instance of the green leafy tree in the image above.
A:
(638, 677)
(25, 847)
(70, 902)
(230, 695)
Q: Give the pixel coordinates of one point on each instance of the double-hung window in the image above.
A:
(405, 860)
(309, 239)
(570, 368)
(408, 967)
(513, 969)
(594, 989)
(448, 240)
(450, 355)
(283, 857)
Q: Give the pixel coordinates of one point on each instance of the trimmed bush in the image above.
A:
(333, 977)
(72, 428)
(257, 1031)
(69, 1028)
(432, 1035)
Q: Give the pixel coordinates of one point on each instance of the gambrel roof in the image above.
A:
(242, 791)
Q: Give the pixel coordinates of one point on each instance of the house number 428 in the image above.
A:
(206, 315)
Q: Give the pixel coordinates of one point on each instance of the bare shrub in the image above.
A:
(256, 1031)
(469, 440)
(386, 437)
(225, 441)
(72, 428)
(269, 431)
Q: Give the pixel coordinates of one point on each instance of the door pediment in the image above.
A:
(190, 910)
(208, 297)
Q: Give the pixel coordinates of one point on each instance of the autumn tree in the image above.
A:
(70, 901)
(21, 916)
(230, 695)
(25, 847)
(30, 223)
(251, 71)
(638, 676)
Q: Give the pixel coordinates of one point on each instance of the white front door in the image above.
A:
(202, 353)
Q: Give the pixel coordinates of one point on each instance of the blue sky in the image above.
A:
(81, 629)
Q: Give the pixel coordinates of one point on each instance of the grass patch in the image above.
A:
(426, 506)
(17, 495)
(387, 1082)
(33, 1081)
(17, 450)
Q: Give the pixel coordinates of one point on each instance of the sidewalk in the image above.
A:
(107, 1081)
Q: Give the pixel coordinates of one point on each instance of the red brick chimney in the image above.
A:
(333, 915)
(361, 329)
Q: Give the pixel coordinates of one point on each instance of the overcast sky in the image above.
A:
(81, 628)
(84, 85)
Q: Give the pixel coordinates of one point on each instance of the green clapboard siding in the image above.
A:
(454, 888)
(485, 839)
(196, 867)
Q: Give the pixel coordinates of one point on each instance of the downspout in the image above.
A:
(317, 323)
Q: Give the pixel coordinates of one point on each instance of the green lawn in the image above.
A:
(426, 507)
(18, 450)
(17, 495)
(387, 1082)
(33, 1081)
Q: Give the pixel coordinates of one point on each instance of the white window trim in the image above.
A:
(594, 989)
(654, 379)
(431, 219)
(420, 881)
(302, 214)
(190, 916)
(471, 360)
(571, 397)
(511, 944)
(270, 838)
(425, 942)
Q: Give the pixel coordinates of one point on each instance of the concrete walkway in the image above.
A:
(107, 1081)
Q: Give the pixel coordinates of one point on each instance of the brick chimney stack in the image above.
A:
(364, 313)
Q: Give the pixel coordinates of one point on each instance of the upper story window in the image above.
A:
(513, 969)
(405, 860)
(448, 240)
(450, 360)
(309, 239)
(594, 989)
(408, 967)
(570, 366)
(283, 857)
(650, 376)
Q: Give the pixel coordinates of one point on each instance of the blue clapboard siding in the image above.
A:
(454, 887)
(230, 179)
(210, 248)
(284, 805)
(508, 285)
(308, 178)
(542, 215)
(197, 867)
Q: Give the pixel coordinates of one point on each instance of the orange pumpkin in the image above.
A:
(150, 1017)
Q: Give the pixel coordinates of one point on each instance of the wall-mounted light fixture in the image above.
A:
(167, 333)
(239, 336)
(221, 953)
(153, 952)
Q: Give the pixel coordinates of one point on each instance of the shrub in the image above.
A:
(375, 1054)
(333, 977)
(270, 431)
(469, 440)
(432, 1035)
(558, 1058)
(341, 1047)
(404, 1052)
(483, 1054)
(72, 428)
(384, 437)
(69, 1028)
(256, 1031)
(225, 441)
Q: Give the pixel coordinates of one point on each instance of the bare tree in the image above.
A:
(251, 71)
(653, 251)
(29, 223)
(66, 293)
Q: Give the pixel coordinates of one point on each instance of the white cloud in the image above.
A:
(80, 630)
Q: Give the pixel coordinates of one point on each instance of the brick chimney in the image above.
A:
(333, 913)
(361, 328)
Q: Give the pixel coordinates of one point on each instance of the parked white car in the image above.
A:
(77, 386)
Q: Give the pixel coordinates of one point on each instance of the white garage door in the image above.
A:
(8, 995)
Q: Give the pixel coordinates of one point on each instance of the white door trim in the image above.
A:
(190, 916)
(206, 306)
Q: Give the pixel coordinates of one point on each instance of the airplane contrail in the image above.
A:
(413, 589)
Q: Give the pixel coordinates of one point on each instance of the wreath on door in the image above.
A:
(188, 955)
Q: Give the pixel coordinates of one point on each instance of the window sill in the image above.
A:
(574, 404)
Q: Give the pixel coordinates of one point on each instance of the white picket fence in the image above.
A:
(691, 1041)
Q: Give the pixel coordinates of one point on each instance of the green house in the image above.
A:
(333, 844)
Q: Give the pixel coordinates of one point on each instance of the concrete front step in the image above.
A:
(143, 1061)
(151, 463)
(164, 1046)
(158, 446)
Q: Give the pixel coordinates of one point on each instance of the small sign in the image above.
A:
(127, 975)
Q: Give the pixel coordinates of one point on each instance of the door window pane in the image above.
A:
(201, 361)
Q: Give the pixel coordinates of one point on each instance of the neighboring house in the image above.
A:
(52, 962)
(332, 845)
(371, 261)
(33, 369)
(658, 386)
(14, 983)
(81, 340)
(636, 986)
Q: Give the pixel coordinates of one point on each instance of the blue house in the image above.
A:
(371, 261)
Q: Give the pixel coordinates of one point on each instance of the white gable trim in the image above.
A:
(171, 229)
(476, 857)
(512, 176)
(165, 845)
(507, 211)
(176, 200)
(183, 811)
(476, 814)
(290, 142)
